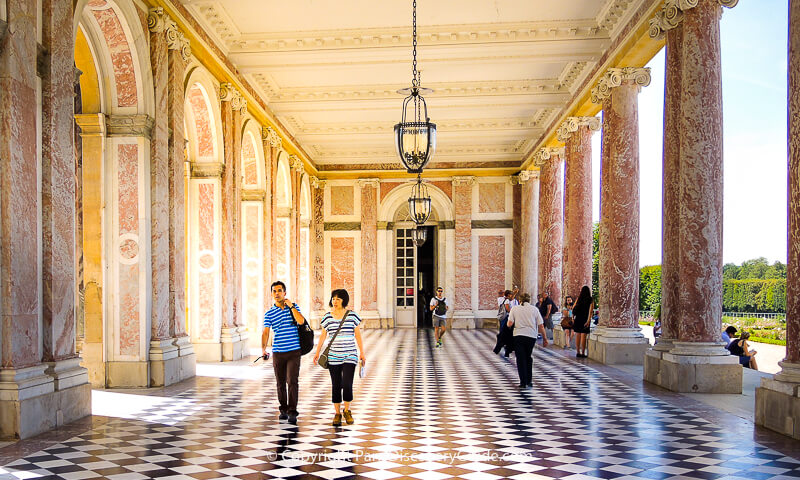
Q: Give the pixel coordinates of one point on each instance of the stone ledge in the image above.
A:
(777, 410)
(35, 415)
(693, 374)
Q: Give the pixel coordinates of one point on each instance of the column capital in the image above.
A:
(296, 164)
(159, 22)
(671, 15)
(369, 182)
(465, 181)
(614, 77)
(527, 175)
(544, 154)
(229, 93)
(317, 182)
(268, 135)
(571, 125)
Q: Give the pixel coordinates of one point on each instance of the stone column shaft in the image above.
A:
(462, 199)
(551, 225)
(317, 238)
(177, 194)
(530, 233)
(793, 267)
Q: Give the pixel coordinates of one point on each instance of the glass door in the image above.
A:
(405, 279)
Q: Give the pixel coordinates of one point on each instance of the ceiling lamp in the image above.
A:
(419, 235)
(415, 135)
(419, 203)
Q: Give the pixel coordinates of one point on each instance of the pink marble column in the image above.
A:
(619, 202)
(294, 228)
(576, 132)
(529, 180)
(271, 141)
(700, 177)
(159, 182)
(462, 200)
(318, 247)
(516, 256)
(230, 208)
(369, 245)
(793, 266)
(551, 222)
(19, 282)
(58, 184)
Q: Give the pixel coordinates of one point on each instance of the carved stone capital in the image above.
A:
(229, 93)
(571, 125)
(296, 164)
(253, 195)
(614, 77)
(139, 125)
(544, 155)
(317, 182)
(465, 181)
(176, 40)
(271, 137)
(206, 169)
(671, 15)
(527, 175)
(369, 182)
(156, 19)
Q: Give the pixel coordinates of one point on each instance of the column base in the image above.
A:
(370, 319)
(92, 360)
(694, 367)
(778, 401)
(36, 399)
(127, 374)
(618, 346)
(171, 361)
(463, 320)
(233, 348)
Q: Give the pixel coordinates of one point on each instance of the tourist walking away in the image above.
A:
(567, 321)
(439, 307)
(283, 318)
(344, 350)
(581, 316)
(526, 320)
(505, 336)
(740, 347)
(547, 308)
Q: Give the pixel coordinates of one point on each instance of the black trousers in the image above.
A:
(342, 381)
(523, 349)
(287, 372)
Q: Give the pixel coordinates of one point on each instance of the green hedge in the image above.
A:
(649, 287)
(754, 295)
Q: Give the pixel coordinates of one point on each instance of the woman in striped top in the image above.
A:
(343, 355)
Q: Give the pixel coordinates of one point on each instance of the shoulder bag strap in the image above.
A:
(341, 324)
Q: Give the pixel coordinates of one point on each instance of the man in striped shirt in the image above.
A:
(285, 348)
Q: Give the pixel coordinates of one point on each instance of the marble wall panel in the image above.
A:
(128, 239)
(281, 250)
(253, 281)
(202, 122)
(343, 269)
(462, 198)
(491, 269)
(491, 197)
(387, 187)
(446, 187)
(207, 262)
(303, 275)
(121, 57)
(342, 200)
(369, 248)
(318, 249)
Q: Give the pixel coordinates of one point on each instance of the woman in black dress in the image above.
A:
(582, 313)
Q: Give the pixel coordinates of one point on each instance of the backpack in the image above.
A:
(441, 308)
(502, 314)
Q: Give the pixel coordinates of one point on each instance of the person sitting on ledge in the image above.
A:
(739, 347)
(728, 335)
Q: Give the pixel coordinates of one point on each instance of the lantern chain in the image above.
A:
(415, 79)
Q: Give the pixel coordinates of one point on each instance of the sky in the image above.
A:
(754, 36)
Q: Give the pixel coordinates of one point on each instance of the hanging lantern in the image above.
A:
(415, 135)
(419, 203)
(419, 235)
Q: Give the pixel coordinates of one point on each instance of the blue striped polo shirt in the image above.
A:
(281, 322)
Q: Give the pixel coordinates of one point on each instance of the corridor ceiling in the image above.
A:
(504, 71)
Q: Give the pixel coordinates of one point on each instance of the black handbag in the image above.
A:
(305, 334)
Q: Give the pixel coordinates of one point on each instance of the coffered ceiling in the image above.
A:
(502, 71)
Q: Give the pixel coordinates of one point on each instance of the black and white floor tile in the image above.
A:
(421, 413)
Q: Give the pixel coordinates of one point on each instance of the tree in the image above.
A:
(649, 287)
(755, 268)
(730, 271)
(776, 270)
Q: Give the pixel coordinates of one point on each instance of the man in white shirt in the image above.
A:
(526, 320)
(439, 307)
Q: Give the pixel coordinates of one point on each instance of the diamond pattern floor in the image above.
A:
(421, 413)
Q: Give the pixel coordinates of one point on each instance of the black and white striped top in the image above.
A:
(344, 348)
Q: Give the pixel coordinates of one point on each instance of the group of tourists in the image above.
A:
(576, 321)
(341, 355)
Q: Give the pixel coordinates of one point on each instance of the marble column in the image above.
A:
(778, 398)
(233, 347)
(551, 222)
(696, 361)
(369, 251)
(529, 180)
(272, 142)
(463, 314)
(317, 239)
(619, 339)
(296, 171)
(576, 133)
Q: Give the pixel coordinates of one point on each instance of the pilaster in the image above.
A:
(317, 251)
(463, 315)
(369, 251)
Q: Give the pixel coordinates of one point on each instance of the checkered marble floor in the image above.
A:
(421, 413)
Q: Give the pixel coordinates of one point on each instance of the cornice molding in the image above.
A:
(571, 125)
(521, 123)
(615, 77)
(229, 93)
(671, 15)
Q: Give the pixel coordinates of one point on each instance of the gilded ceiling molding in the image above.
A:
(671, 15)
(271, 137)
(614, 77)
(229, 93)
(463, 180)
(158, 22)
(369, 182)
(527, 175)
(571, 125)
